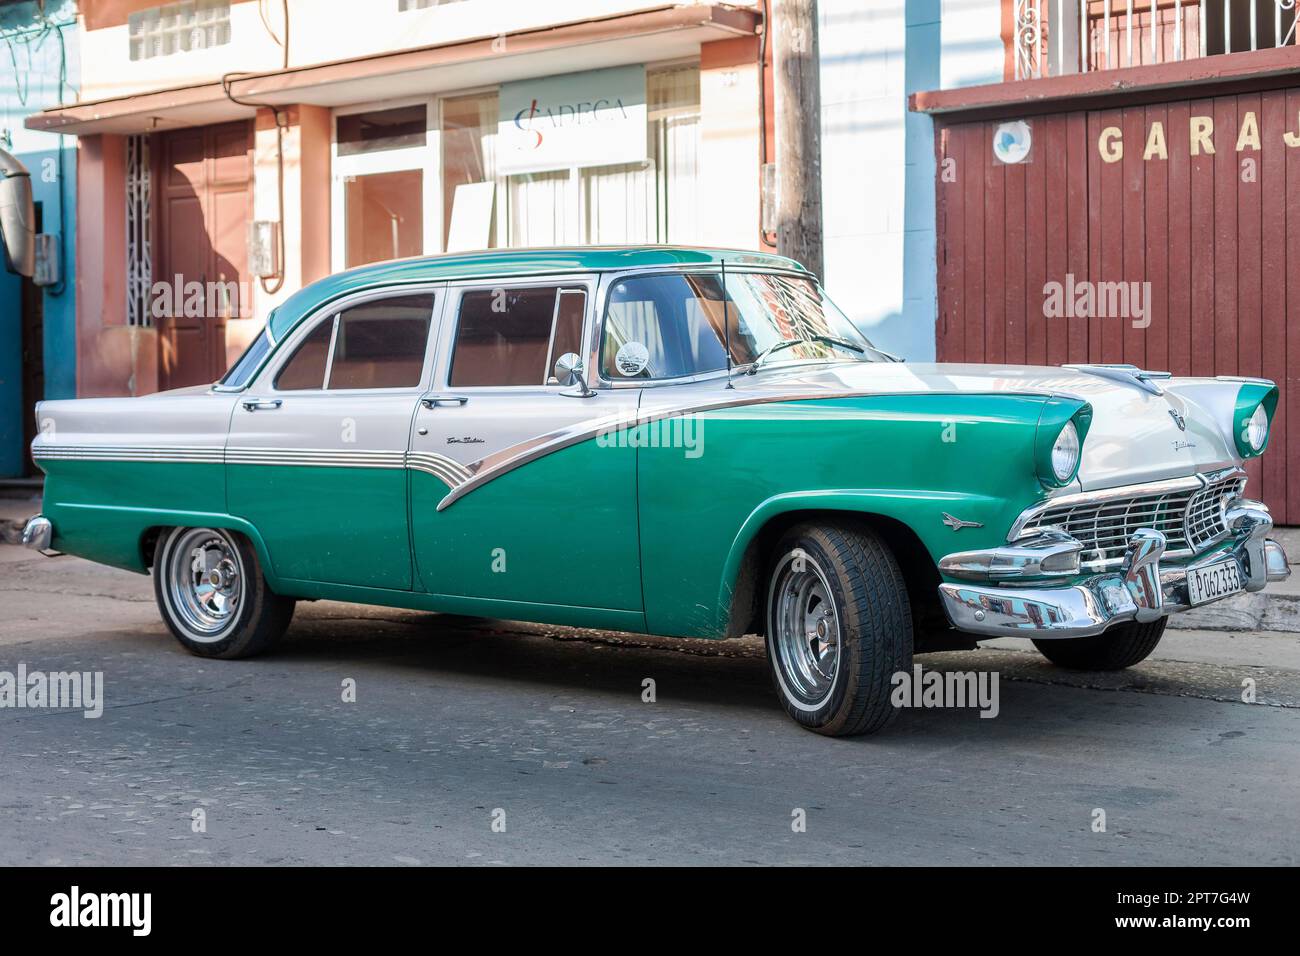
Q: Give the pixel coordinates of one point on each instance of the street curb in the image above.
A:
(1267, 610)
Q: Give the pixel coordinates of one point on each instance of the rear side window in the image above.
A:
(379, 344)
(514, 336)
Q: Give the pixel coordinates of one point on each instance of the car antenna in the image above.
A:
(726, 322)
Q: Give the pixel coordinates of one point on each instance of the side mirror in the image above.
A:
(569, 371)
(17, 216)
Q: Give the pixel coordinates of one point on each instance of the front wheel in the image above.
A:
(839, 627)
(1113, 650)
(210, 589)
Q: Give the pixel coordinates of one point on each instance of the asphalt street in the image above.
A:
(490, 742)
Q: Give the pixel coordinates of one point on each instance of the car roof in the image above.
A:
(507, 263)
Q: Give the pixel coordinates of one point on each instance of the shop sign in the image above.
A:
(594, 118)
(1201, 138)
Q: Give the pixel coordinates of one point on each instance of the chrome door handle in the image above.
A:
(434, 400)
(262, 404)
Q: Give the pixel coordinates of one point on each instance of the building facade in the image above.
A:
(977, 155)
(231, 152)
(38, 321)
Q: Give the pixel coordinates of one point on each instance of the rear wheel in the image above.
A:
(1122, 646)
(210, 589)
(839, 626)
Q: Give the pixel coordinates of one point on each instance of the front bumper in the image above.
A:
(1141, 589)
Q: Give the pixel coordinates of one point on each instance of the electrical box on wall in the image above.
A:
(48, 268)
(264, 248)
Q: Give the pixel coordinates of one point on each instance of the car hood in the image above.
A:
(1135, 434)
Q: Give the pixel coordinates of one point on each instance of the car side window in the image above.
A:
(664, 326)
(377, 344)
(306, 367)
(381, 344)
(514, 336)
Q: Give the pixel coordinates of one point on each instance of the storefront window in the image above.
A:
(377, 130)
(651, 201)
(390, 179)
(381, 161)
(469, 127)
(384, 216)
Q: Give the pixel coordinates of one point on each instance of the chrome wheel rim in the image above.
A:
(204, 583)
(804, 631)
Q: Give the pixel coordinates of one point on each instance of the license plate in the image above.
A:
(1213, 581)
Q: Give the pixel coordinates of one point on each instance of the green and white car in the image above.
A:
(678, 441)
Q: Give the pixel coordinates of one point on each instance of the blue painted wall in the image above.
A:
(38, 68)
(878, 169)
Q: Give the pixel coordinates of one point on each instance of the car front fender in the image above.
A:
(923, 512)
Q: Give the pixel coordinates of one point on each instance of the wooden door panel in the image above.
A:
(1214, 239)
(202, 207)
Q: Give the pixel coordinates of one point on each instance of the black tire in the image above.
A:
(1121, 646)
(871, 615)
(259, 616)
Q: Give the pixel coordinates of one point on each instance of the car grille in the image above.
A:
(1190, 519)
(1205, 514)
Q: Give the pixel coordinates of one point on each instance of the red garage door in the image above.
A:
(1134, 194)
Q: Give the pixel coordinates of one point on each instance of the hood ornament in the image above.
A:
(1179, 420)
(1125, 374)
(958, 523)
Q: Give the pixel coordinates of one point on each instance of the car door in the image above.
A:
(521, 490)
(317, 447)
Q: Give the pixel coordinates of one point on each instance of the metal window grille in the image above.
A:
(139, 245)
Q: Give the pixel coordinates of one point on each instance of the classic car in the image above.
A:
(677, 441)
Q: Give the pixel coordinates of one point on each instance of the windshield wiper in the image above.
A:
(787, 343)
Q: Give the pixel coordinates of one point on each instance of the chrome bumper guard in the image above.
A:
(37, 533)
(1140, 589)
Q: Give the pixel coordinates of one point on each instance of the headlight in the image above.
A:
(1065, 453)
(1251, 418)
(1058, 441)
(1257, 429)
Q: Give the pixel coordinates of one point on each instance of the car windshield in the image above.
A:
(671, 325)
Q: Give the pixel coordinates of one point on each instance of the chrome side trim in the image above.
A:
(452, 473)
(187, 453)
(318, 457)
(508, 459)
